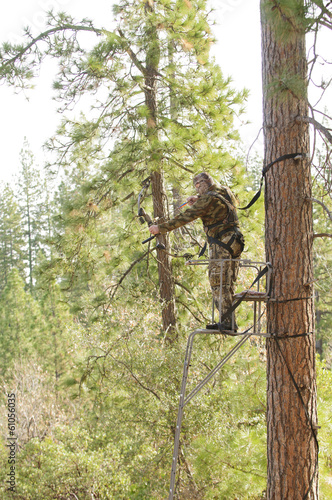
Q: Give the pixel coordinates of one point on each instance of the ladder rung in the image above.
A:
(252, 295)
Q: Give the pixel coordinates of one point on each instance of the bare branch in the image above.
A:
(322, 235)
(317, 126)
(322, 205)
(191, 312)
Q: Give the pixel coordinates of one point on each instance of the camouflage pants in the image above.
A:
(230, 271)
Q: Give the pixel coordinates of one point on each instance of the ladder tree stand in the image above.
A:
(257, 296)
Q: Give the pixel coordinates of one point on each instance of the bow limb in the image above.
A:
(143, 216)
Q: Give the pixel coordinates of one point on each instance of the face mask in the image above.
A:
(201, 187)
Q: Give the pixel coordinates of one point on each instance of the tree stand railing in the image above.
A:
(257, 297)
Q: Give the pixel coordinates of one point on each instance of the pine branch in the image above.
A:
(135, 378)
(46, 34)
(191, 312)
(284, 17)
(132, 55)
(104, 356)
(127, 272)
(178, 164)
(323, 9)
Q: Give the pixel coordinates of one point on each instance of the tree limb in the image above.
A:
(322, 235)
(127, 272)
(46, 34)
(135, 378)
(317, 125)
(133, 56)
(95, 358)
(191, 312)
(324, 206)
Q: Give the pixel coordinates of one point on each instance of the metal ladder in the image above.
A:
(257, 297)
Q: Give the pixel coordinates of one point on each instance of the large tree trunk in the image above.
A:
(291, 444)
(166, 282)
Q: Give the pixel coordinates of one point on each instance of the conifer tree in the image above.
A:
(58, 344)
(21, 323)
(11, 235)
(30, 198)
(292, 445)
(322, 217)
(134, 132)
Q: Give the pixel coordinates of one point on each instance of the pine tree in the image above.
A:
(134, 131)
(58, 343)
(31, 202)
(322, 217)
(21, 323)
(11, 235)
(291, 393)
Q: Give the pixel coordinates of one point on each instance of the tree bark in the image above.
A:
(291, 445)
(166, 282)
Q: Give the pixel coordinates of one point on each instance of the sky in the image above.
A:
(34, 114)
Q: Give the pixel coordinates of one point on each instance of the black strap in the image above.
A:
(306, 411)
(211, 226)
(295, 156)
(255, 198)
(202, 252)
(286, 337)
(216, 241)
(277, 301)
(226, 246)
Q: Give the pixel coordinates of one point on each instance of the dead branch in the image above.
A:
(322, 235)
(325, 131)
(324, 206)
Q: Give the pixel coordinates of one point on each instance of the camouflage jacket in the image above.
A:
(212, 207)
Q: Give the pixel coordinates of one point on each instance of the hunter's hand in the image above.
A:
(154, 229)
(191, 200)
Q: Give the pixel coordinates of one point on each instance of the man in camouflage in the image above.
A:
(215, 205)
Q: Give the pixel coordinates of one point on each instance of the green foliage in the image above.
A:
(322, 265)
(21, 322)
(288, 16)
(66, 465)
(324, 384)
(114, 148)
(108, 380)
(32, 200)
(11, 236)
(230, 446)
(287, 82)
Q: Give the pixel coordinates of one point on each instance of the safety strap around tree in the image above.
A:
(290, 156)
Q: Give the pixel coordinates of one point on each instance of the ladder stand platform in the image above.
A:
(257, 297)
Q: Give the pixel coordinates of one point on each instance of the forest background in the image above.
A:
(83, 341)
